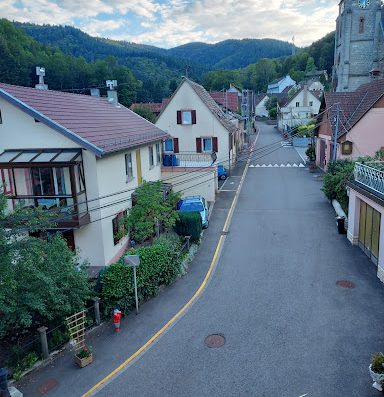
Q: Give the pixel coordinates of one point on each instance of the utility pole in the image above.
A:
(334, 157)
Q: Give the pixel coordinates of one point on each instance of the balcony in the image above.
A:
(371, 175)
(50, 179)
(188, 159)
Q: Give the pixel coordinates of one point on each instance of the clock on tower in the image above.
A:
(363, 3)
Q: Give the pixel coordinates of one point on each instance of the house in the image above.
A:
(366, 212)
(154, 107)
(279, 85)
(298, 109)
(79, 157)
(259, 102)
(360, 114)
(226, 99)
(202, 136)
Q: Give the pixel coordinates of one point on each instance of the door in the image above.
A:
(369, 231)
(138, 167)
(322, 153)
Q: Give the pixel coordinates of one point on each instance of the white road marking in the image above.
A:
(303, 395)
(288, 165)
(295, 165)
(252, 166)
(301, 165)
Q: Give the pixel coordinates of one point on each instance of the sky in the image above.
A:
(169, 23)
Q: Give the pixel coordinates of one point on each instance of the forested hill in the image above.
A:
(200, 57)
(232, 54)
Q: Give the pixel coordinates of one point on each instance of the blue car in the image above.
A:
(195, 204)
(222, 172)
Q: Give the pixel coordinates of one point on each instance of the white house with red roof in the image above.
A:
(80, 157)
(203, 135)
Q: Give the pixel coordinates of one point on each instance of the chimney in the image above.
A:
(41, 73)
(112, 94)
(95, 92)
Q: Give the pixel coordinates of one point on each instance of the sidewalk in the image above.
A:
(61, 378)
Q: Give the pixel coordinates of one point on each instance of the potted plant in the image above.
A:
(312, 167)
(376, 370)
(83, 357)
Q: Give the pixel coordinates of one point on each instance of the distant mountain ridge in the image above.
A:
(200, 57)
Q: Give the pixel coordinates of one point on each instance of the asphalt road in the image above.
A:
(290, 331)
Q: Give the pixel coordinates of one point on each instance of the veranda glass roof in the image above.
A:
(31, 156)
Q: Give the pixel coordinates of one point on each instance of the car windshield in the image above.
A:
(190, 207)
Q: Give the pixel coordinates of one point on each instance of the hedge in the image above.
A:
(189, 224)
(160, 263)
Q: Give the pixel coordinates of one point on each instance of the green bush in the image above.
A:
(273, 113)
(160, 263)
(378, 363)
(334, 185)
(189, 224)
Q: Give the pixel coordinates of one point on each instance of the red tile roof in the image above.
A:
(90, 121)
(229, 100)
(353, 105)
(152, 106)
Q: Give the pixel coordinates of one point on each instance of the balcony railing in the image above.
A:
(187, 159)
(370, 175)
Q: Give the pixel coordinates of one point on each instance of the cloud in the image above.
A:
(168, 23)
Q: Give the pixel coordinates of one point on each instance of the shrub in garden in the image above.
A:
(334, 185)
(160, 263)
(189, 224)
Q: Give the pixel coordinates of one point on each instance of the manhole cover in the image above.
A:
(47, 386)
(215, 340)
(345, 284)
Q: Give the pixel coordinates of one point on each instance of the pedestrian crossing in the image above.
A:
(288, 165)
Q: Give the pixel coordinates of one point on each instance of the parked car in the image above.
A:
(195, 204)
(222, 173)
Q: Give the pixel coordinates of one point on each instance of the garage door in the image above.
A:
(369, 231)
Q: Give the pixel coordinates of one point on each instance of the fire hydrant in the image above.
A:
(117, 319)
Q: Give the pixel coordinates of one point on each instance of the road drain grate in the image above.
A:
(215, 340)
(225, 232)
(345, 284)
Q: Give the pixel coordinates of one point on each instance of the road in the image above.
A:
(289, 329)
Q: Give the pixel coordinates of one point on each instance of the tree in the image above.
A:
(40, 283)
(146, 113)
(271, 103)
(151, 209)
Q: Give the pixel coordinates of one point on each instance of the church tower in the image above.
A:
(359, 44)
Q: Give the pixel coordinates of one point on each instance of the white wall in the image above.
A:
(207, 125)
(261, 110)
(19, 130)
(197, 182)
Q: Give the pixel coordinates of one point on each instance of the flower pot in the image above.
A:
(378, 379)
(83, 362)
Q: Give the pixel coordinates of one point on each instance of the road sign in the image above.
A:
(133, 261)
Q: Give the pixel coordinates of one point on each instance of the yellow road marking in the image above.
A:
(98, 385)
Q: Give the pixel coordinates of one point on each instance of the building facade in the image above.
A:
(359, 47)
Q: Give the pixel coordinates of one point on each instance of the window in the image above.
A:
(297, 104)
(1, 118)
(361, 25)
(186, 117)
(151, 161)
(207, 145)
(158, 153)
(310, 103)
(118, 226)
(128, 167)
(168, 145)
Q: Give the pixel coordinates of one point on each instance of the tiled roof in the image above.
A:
(230, 100)
(90, 121)
(258, 98)
(353, 105)
(212, 106)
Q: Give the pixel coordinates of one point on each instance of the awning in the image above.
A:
(33, 156)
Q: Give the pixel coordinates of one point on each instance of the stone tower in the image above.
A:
(359, 44)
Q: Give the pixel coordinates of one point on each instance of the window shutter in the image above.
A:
(175, 145)
(198, 145)
(215, 144)
(193, 112)
(179, 117)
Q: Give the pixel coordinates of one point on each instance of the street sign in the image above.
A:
(133, 261)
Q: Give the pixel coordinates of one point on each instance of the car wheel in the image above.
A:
(223, 177)
(206, 225)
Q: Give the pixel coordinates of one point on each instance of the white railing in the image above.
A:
(187, 160)
(370, 175)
